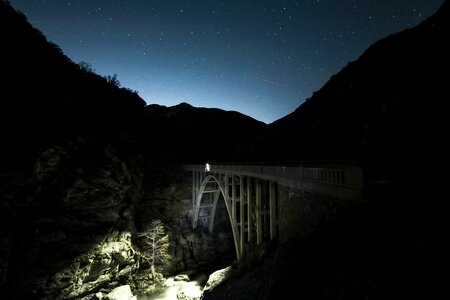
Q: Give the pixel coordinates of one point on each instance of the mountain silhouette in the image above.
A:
(197, 135)
(48, 97)
(389, 109)
(45, 96)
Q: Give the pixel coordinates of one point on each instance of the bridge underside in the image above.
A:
(251, 205)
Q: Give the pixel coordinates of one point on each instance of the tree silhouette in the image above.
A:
(155, 245)
(86, 67)
(112, 79)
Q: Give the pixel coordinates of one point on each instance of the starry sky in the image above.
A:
(262, 58)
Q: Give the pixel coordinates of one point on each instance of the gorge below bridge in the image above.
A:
(266, 202)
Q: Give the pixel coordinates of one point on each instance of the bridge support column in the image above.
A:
(241, 214)
(194, 187)
(227, 189)
(213, 210)
(231, 207)
(258, 208)
(233, 197)
(273, 210)
(249, 209)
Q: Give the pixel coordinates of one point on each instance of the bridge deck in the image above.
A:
(341, 181)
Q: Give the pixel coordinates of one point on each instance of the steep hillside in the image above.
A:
(84, 166)
(45, 94)
(390, 108)
(70, 164)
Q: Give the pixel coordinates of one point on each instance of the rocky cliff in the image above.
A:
(71, 169)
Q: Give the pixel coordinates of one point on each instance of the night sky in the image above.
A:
(261, 58)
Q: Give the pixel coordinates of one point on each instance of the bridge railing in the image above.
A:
(348, 176)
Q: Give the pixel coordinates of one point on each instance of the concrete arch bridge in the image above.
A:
(252, 194)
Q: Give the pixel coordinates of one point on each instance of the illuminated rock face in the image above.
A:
(108, 262)
(120, 293)
(77, 211)
(75, 221)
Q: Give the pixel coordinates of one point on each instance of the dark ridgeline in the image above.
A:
(389, 108)
(77, 152)
(204, 134)
(46, 96)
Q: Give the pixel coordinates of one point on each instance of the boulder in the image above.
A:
(217, 278)
(182, 277)
(120, 293)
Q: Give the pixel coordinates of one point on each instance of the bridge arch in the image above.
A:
(221, 190)
(251, 205)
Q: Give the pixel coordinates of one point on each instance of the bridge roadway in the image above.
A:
(251, 194)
